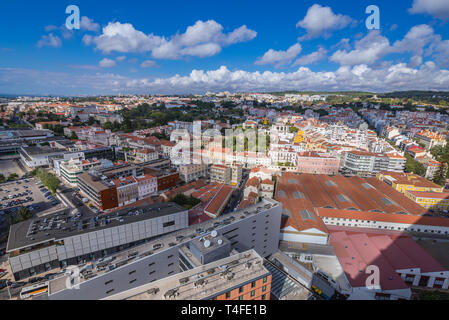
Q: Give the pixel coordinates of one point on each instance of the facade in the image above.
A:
(403, 182)
(430, 200)
(314, 163)
(52, 247)
(147, 185)
(127, 190)
(367, 163)
(145, 155)
(99, 190)
(220, 173)
(430, 139)
(192, 172)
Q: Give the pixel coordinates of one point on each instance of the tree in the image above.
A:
(414, 166)
(23, 214)
(2, 178)
(73, 136)
(440, 175)
(13, 177)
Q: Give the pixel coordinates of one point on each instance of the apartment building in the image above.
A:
(367, 163)
(145, 155)
(220, 173)
(192, 172)
(99, 189)
(146, 185)
(227, 174)
(430, 200)
(403, 182)
(430, 139)
(127, 190)
(317, 163)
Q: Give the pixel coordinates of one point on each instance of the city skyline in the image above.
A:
(183, 48)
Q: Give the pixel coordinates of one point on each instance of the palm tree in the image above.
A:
(24, 214)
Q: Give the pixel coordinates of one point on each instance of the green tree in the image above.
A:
(73, 136)
(440, 175)
(13, 177)
(23, 214)
(2, 178)
(414, 166)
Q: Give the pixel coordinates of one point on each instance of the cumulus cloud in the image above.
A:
(49, 40)
(367, 50)
(280, 58)
(88, 24)
(312, 58)
(360, 77)
(436, 8)
(203, 39)
(321, 21)
(120, 58)
(107, 63)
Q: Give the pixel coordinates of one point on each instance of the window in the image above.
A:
(240, 289)
(168, 224)
(263, 297)
(130, 273)
(253, 293)
(264, 288)
(265, 280)
(132, 281)
(170, 264)
(110, 291)
(108, 282)
(170, 256)
(253, 284)
(228, 295)
(241, 298)
(151, 264)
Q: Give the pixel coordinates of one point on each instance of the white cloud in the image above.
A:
(311, 58)
(321, 21)
(362, 77)
(203, 39)
(49, 40)
(107, 63)
(89, 24)
(120, 58)
(368, 50)
(124, 38)
(436, 8)
(280, 58)
(148, 64)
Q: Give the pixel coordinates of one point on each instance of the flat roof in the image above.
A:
(21, 235)
(183, 236)
(213, 278)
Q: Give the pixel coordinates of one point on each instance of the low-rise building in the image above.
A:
(430, 200)
(192, 172)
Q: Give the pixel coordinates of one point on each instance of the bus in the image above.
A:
(34, 290)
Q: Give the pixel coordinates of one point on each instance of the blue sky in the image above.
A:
(198, 46)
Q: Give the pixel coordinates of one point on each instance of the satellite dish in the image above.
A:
(220, 242)
(214, 233)
(207, 244)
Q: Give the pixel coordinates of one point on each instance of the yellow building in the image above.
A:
(404, 182)
(430, 200)
(299, 137)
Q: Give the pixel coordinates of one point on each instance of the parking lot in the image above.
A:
(25, 193)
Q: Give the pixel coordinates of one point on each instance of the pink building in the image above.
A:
(315, 163)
